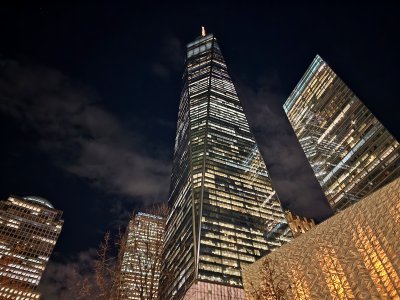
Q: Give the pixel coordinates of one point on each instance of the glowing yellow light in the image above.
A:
(203, 31)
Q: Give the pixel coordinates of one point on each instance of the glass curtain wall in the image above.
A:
(351, 153)
(224, 211)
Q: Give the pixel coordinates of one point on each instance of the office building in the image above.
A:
(29, 229)
(224, 211)
(351, 153)
(139, 272)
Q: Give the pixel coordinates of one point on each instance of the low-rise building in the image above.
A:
(298, 224)
(352, 255)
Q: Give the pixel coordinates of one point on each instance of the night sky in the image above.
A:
(89, 98)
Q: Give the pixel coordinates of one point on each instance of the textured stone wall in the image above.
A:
(211, 291)
(353, 255)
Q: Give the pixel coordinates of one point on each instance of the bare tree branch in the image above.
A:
(272, 286)
(135, 270)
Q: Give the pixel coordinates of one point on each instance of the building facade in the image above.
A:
(352, 255)
(297, 224)
(224, 212)
(139, 272)
(29, 229)
(351, 153)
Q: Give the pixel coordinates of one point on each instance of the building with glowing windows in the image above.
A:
(299, 225)
(352, 255)
(224, 212)
(350, 151)
(139, 272)
(29, 229)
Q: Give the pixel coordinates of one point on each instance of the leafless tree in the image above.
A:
(125, 265)
(99, 280)
(271, 286)
(142, 246)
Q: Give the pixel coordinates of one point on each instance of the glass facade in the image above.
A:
(29, 229)
(350, 151)
(141, 258)
(224, 212)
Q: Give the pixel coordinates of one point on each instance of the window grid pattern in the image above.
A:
(349, 150)
(140, 266)
(224, 213)
(28, 232)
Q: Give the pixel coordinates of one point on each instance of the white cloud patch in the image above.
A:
(63, 281)
(79, 134)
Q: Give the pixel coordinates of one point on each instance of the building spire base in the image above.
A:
(203, 31)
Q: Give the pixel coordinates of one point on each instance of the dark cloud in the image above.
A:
(173, 52)
(81, 136)
(120, 215)
(88, 141)
(63, 280)
(160, 70)
(291, 174)
(171, 58)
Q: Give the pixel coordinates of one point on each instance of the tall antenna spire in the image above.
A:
(203, 31)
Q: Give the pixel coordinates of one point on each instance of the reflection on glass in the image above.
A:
(224, 211)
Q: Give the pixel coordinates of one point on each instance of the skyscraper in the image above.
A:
(29, 229)
(224, 212)
(351, 152)
(139, 272)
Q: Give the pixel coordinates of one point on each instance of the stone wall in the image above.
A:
(211, 291)
(353, 255)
